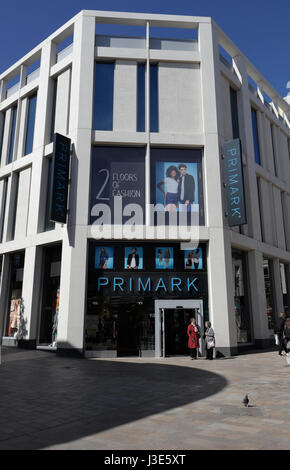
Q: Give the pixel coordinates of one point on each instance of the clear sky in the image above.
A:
(260, 28)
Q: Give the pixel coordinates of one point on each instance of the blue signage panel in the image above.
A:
(59, 179)
(234, 180)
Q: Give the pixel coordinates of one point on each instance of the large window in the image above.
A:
(284, 284)
(273, 149)
(256, 137)
(234, 113)
(154, 127)
(12, 134)
(242, 307)
(15, 326)
(30, 124)
(103, 96)
(140, 97)
(50, 296)
(268, 278)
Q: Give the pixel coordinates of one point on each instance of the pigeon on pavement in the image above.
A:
(246, 400)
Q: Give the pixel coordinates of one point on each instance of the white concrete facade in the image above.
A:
(194, 112)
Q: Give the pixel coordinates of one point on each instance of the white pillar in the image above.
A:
(74, 250)
(220, 283)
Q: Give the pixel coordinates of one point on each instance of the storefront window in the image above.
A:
(50, 297)
(285, 292)
(269, 295)
(14, 325)
(125, 280)
(242, 312)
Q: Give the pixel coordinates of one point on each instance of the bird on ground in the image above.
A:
(246, 400)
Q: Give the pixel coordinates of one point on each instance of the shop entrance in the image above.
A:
(172, 319)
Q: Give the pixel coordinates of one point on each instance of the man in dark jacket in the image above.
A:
(280, 333)
(133, 260)
(186, 187)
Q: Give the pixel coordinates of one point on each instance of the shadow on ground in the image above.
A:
(47, 400)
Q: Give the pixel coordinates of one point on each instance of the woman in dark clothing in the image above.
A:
(280, 333)
(193, 333)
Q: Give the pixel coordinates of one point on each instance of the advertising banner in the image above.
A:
(59, 179)
(234, 180)
(117, 172)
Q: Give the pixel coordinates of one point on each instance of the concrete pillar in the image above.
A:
(74, 250)
(250, 181)
(221, 292)
(31, 289)
(256, 285)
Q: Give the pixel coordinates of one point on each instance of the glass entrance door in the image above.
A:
(172, 318)
(176, 321)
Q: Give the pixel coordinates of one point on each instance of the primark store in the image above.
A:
(144, 180)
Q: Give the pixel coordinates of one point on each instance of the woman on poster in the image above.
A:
(170, 190)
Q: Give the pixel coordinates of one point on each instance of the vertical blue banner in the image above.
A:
(234, 180)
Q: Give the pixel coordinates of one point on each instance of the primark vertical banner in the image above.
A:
(234, 180)
(59, 179)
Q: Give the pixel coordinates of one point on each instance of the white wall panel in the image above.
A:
(179, 91)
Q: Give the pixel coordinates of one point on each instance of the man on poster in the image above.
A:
(186, 188)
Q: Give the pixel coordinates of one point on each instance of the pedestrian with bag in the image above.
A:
(209, 340)
(280, 333)
(193, 333)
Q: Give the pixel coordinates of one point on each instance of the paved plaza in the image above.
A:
(49, 402)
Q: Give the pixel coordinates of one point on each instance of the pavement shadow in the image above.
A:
(47, 400)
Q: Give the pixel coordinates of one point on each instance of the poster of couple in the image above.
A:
(177, 186)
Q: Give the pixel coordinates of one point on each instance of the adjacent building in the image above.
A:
(151, 103)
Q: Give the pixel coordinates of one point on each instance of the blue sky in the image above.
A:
(260, 28)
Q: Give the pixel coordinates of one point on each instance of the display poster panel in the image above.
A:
(133, 257)
(117, 181)
(176, 182)
(164, 258)
(104, 257)
(193, 259)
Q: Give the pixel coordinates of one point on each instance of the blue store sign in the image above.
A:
(59, 179)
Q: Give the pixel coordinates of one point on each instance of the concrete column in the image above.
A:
(74, 250)
(250, 181)
(221, 292)
(31, 288)
(258, 301)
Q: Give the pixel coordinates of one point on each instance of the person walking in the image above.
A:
(193, 333)
(286, 334)
(280, 333)
(209, 340)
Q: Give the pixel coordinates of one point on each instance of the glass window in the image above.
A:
(103, 96)
(234, 113)
(15, 182)
(273, 148)
(141, 98)
(154, 98)
(53, 109)
(50, 296)
(30, 124)
(3, 207)
(269, 295)
(256, 137)
(12, 134)
(260, 208)
(15, 327)
(2, 127)
(285, 293)
(48, 224)
(242, 308)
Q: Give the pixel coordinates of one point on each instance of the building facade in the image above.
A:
(148, 118)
